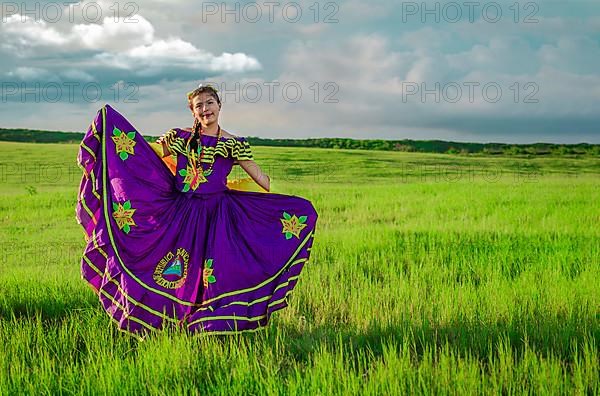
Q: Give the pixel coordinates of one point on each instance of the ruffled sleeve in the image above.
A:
(241, 150)
(176, 140)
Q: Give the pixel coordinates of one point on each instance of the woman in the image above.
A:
(181, 248)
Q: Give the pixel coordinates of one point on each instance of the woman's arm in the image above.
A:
(254, 171)
(165, 147)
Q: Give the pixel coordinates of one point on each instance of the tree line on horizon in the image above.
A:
(404, 145)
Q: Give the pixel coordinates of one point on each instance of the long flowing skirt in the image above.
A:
(218, 262)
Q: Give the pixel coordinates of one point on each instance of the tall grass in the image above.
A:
(429, 274)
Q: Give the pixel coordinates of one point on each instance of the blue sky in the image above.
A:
(502, 71)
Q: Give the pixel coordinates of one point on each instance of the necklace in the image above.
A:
(201, 152)
(194, 174)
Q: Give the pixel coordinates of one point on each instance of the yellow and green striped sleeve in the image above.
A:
(241, 150)
(174, 141)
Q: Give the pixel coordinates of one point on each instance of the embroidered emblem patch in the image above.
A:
(124, 143)
(172, 269)
(292, 225)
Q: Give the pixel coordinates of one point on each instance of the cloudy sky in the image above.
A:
(503, 71)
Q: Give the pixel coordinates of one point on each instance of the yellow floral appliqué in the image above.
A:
(192, 178)
(123, 215)
(207, 276)
(292, 225)
(124, 143)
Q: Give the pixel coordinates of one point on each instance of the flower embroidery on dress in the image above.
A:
(124, 143)
(292, 225)
(192, 177)
(123, 215)
(207, 276)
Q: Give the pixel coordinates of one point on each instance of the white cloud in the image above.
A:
(129, 46)
(113, 35)
(24, 31)
(237, 62)
(152, 59)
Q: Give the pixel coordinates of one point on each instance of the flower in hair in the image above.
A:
(201, 85)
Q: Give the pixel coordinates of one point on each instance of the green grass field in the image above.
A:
(429, 274)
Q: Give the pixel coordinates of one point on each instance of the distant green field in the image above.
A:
(404, 145)
(430, 273)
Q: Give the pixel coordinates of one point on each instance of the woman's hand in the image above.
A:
(163, 143)
(254, 171)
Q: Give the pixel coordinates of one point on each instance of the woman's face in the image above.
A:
(205, 109)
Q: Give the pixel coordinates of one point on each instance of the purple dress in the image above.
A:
(184, 250)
